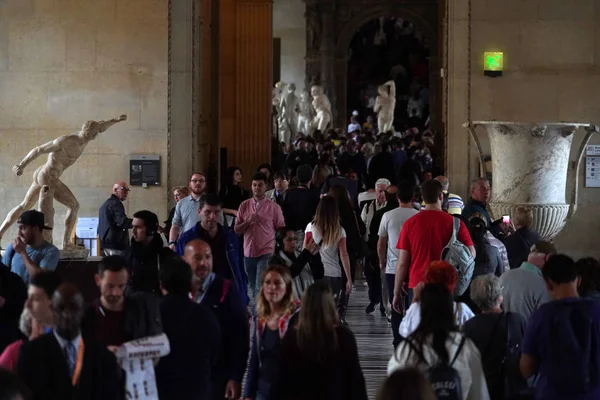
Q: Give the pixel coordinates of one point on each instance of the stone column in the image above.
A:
(245, 68)
(327, 8)
(313, 44)
(183, 88)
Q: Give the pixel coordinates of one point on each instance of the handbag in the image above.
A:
(363, 249)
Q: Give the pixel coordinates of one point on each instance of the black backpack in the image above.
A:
(445, 380)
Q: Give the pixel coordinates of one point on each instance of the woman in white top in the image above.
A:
(327, 232)
(437, 341)
(441, 273)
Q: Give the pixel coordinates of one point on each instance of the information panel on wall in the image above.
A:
(144, 170)
(592, 166)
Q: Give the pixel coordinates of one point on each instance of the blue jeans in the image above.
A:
(255, 268)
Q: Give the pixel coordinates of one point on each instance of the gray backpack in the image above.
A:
(460, 257)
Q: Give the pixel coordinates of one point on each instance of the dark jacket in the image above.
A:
(473, 207)
(14, 293)
(382, 166)
(194, 337)
(519, 244)
(144, 263)
(113, 224)
(339, 377)
(233, 252)
(255, 382)
(376, 222)
(305, 257)
(299, 207)
(43, 368)
(235, 336)
(141, 317)
(169, 221)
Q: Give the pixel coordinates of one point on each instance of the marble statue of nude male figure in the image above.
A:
(47, 186)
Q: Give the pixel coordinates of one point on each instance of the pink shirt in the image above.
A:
(8, 359)
(259, 238)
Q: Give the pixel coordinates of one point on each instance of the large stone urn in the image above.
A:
(530, 168)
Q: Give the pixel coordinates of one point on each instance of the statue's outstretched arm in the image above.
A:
(35, 153)
(104, 125)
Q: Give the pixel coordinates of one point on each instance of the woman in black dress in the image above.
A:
(232, 194)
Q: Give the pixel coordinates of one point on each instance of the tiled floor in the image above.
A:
(373, 336)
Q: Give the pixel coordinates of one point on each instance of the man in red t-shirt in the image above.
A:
(422, 239)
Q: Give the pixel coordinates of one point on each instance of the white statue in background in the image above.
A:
(289, 116)
(47, 186)
(305, 113)
(322, 108)
(385, 105)
(276, 96)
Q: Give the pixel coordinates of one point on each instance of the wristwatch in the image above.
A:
(172, 242)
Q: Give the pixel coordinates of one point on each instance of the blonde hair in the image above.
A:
(523, 217)
(184, 190)
(327, 221)
(263, 309)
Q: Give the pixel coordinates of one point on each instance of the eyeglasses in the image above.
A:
(125, 189)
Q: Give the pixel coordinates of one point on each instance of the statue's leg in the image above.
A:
(64, 196)
(25, 205)
(46, 206)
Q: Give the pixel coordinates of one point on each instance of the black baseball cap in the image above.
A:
(33, 218)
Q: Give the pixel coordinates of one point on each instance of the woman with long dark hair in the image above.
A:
(327, 232)
(232, 194)
(304, 267)
(318, 360)
(355, 229)
(438, 341)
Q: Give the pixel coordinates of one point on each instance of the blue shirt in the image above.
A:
(540, 343)
(46, 257)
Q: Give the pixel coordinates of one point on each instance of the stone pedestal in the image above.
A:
(530, 168)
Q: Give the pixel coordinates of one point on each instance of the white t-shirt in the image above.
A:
(467, 364)
(390, 227)
(330, 255)
(412, 319)
(353, 127)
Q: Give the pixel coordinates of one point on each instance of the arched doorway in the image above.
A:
(389, 50)
(425, 23)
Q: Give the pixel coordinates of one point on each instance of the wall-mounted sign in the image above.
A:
(144, 170)
(493, 63)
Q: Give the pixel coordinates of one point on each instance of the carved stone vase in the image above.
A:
(530, 168)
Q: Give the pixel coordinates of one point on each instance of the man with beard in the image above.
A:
(222, 297)
(224, 244)
(61, 365)
(29, 253)
(186, 210)
(114, 319)
(146, 254)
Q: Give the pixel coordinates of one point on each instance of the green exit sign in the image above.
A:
(493, 63)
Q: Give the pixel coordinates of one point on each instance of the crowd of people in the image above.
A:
(251, 288)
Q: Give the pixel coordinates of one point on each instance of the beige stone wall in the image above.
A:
(289, 24)
(552, 59)
(65, 61)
